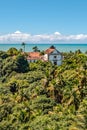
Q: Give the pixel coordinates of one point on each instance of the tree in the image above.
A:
(23, 44)
(22, 64)
(20, 50)
(3, 55)
(8, 66)
(42, 52)
(12, 51)
(78, 51)
(35, 49)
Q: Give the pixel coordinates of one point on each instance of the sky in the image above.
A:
(43, 21)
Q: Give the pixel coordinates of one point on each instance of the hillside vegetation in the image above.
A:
(43, 96)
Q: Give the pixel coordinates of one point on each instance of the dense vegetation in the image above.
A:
(42, 96)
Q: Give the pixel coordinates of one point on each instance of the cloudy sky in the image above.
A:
(43, 21)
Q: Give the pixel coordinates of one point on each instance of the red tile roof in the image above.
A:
(34, 55)
(49, 50)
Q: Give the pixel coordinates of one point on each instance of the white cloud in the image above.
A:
(57, 33)
(17, 32)
(57, 37)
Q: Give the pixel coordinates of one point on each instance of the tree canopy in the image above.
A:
(43, 96)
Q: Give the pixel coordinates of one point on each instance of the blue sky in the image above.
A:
(42, 18)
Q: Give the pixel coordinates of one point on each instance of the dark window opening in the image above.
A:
(55, 56)
(55, 62)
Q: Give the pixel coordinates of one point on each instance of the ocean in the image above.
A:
(61, 47)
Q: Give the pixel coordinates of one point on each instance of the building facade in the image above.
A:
(51, 54)
(33, 56)
(54, 55)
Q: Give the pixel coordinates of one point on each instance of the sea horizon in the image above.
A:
(62, 47)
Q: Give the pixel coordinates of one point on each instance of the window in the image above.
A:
(55, 57)
(55, 62)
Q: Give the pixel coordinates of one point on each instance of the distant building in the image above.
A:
(51, 54)
(54, 55)
(33, 56)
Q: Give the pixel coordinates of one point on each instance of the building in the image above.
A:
(51, 54)
(33, 56)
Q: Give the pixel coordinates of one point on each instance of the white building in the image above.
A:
(51, 54)
(33, 56)
(54, 55)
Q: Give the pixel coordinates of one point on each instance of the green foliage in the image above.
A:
(22, 64)
(3, 55)
(42, 96)
(23, 44)
(12, 51)
(35, 49)
(8, 66)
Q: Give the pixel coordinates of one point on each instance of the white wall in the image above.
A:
(58, 57)
(59, 62)
(54, 52)
(45, 57)
(31, 61)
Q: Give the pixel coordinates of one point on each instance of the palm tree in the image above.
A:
(23, 44)
(35, 49)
